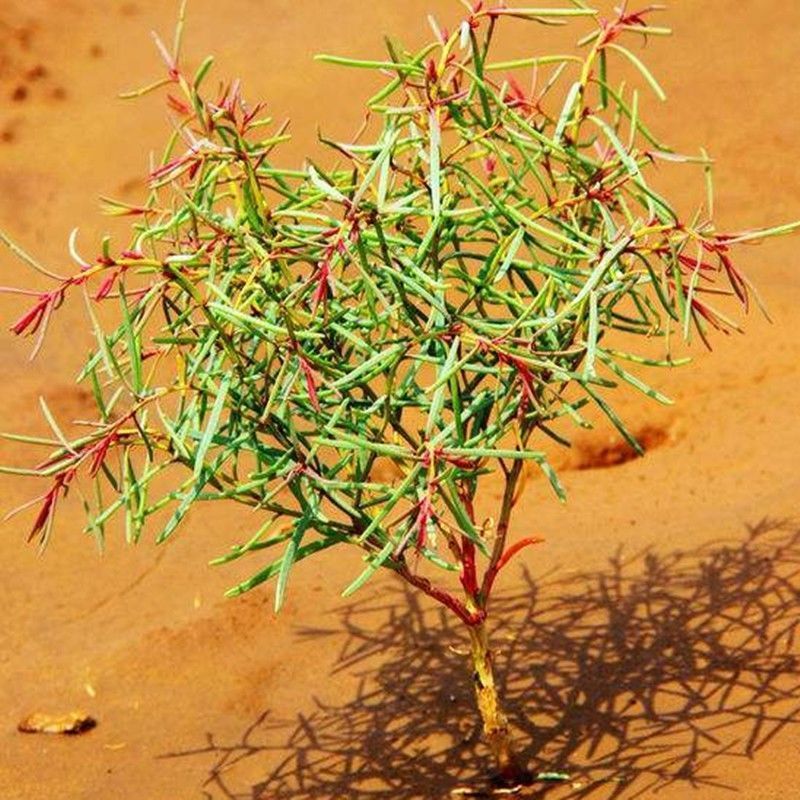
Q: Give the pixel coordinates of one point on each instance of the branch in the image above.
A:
(502, 528)
(469, 618)
(492, 572)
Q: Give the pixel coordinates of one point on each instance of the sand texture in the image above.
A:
(651, 638)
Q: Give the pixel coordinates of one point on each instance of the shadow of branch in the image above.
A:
(650, 671)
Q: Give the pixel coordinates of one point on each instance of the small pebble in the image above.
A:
(70, 724)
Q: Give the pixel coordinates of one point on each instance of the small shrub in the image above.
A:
(352, 348)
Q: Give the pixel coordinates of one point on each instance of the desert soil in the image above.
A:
(649, 646)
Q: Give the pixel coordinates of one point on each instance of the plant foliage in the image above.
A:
(350, 347)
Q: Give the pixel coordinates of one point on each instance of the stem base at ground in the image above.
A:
(496, 730)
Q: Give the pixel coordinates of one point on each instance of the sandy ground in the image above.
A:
(650, 639)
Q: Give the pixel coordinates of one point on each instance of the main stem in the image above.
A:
(495, 723)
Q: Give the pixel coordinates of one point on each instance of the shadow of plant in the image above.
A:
(630, 678)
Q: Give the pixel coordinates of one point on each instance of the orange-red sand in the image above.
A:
(651, 639)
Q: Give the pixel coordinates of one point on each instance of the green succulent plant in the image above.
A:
(352, 348)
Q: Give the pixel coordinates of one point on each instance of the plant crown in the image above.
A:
(349, 348)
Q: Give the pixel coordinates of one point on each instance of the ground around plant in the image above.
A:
(649, 645)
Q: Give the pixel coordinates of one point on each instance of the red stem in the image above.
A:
(491, 573)
(469, 574)
(469, 577)
(470, 618)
